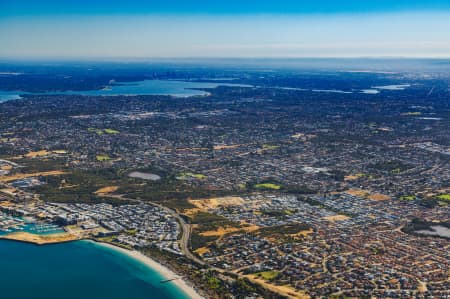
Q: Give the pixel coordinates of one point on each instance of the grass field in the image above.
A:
(111, 131)
(270, 147)
(97, 131)
(103, 158)
(103, 131)
(445, 197)
(186, 175)
(268, 275)
(269, 186)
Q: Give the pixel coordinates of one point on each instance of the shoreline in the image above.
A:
(162, 270)
(39, 240)
(165, 272)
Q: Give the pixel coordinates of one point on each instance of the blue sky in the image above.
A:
(58, 29)
(33, 7)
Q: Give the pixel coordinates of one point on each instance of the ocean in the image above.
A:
(75, 270)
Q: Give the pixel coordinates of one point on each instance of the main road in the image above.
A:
(185, 228)
(186, 233)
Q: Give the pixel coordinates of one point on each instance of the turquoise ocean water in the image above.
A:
(77, 270)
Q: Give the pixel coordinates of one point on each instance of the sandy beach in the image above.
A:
(164, 271)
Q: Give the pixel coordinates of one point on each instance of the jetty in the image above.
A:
(170, 279)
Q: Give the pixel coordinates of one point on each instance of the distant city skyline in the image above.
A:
(100, 29)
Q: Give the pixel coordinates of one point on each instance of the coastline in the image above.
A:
(27, 237)
(161, 269)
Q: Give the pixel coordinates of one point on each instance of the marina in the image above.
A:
(11, 224)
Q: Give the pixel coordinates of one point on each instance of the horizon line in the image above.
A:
(126, 58)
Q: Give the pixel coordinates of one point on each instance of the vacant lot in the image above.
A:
(106, 190)
(214, 203)
(336, 218)
(20, 176)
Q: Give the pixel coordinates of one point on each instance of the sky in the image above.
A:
(131, 29)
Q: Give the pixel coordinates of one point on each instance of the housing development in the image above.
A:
(278, 184)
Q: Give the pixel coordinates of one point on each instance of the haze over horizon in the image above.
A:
(133, 29)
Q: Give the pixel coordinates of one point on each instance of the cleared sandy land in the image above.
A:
(422, 288)
(214, 203)
(222, 147)
(351, 177)
(190, 212)
(37, 154)
(378, 197)
(367, 194)
(6, 204)
(9, 191)
(202, 250)
(336, 218)
(357, 192)
(20, 176)
(221, 231)
(302, 233)
(6, 167)
(283, 290)
(106, 190)
(59, 152)
(40, 239)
